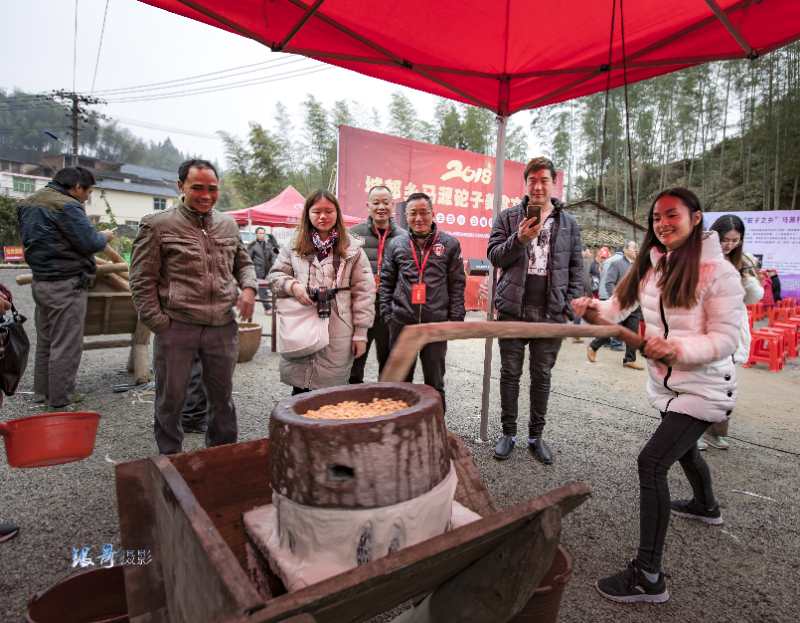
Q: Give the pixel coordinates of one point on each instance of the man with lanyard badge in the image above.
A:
(376, 232)
(422, 280)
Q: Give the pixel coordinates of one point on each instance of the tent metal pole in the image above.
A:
(732, 30)
(499, 170)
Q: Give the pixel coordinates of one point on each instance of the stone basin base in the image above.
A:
(305, 545)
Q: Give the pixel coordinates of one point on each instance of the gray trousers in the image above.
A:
(174, 350)
(543, 354)
(60, 316)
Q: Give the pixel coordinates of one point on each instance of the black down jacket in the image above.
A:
(564, 269)
(366, 232)
(444, 278)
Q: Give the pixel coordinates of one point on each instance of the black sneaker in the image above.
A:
(631, 586)
(692, 510)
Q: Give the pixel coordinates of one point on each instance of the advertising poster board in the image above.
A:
(773, 237)
(460, 183)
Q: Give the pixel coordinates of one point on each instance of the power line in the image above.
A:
(99, 47)
(153, 126)
(201, 81)
(178, 81)
(235, 85)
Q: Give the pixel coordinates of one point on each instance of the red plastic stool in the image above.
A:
(766, 347)
(790, 331)
(779, 314)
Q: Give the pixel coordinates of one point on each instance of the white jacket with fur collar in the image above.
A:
(702, 383)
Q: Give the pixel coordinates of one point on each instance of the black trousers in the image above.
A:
(542, 358)
(195, 408)
(432, 356)
(631, 323)
(674, 440)
(378, 333)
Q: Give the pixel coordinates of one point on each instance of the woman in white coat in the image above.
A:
(730, 230)
(323, 255)
(691, 298)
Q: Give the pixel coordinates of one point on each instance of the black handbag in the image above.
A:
(14, 348)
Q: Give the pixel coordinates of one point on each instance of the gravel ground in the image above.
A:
(599, 418)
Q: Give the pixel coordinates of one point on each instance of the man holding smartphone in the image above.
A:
(537, 247)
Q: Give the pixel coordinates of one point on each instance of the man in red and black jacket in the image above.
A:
(423, 280)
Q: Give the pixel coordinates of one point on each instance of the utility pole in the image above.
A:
(79, 112)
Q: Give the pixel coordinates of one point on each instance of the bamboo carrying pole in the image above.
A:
(414, 337)
(102, 269)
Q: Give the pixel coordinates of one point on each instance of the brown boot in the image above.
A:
(591, 354)
(633, 365)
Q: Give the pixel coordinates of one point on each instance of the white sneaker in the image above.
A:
(701, 444)
(717, 441)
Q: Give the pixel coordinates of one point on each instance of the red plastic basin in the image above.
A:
(89, 596)
(50, 438)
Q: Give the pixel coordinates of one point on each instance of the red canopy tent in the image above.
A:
(507, 55)
(284, 210)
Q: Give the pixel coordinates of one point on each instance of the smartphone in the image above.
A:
(534, 212)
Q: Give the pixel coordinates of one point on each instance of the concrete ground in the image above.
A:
(747, 570)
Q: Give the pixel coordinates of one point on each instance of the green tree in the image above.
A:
(450, 131)
(477, 129)
(402, 117)
(9, 232)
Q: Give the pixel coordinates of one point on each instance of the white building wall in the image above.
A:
(126, 206)
(7, 184)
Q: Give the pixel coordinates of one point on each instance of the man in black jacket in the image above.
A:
(537, 247)
(376, 233)
(60, 243)
(263, 251)
(423, 280)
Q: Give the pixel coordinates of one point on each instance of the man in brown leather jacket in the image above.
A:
(187, 268)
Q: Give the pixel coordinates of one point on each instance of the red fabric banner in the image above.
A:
(460, 183)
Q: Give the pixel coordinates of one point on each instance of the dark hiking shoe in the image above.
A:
(8, 531)
(540, 451)
(631, 586)
(692, 510)
(504, 447)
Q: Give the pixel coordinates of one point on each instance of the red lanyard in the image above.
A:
(421, 268)
(381, 244)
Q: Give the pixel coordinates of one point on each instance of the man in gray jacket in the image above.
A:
(541, 271)
(613, 275)
(187, 268)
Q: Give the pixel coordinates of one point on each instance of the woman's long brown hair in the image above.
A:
(680, 271)
(302, 241)
(725, 224)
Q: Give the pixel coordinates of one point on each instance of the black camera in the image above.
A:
(323, 298)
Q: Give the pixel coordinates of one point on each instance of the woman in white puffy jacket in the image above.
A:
(730, 230)
(692, 301)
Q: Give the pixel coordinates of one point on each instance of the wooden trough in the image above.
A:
(110, 311)
(187, 510)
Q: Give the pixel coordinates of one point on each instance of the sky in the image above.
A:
(143, 45)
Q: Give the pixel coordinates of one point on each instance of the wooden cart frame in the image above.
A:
(187, 511)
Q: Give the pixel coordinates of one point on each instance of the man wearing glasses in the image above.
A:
(537, 247)
(423, 280)
(189, 270)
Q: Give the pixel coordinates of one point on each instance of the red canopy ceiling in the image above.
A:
(506, 55)
(284, 210)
